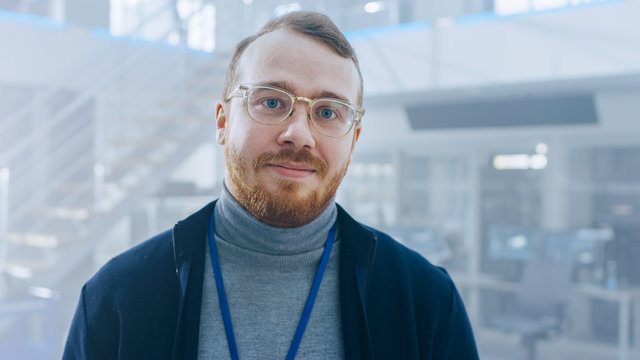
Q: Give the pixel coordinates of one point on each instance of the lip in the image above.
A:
(292, 170)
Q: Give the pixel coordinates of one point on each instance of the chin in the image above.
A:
(295, 186)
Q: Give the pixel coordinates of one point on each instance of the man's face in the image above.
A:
(286, 174)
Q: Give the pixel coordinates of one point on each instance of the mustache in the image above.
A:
(303, 157)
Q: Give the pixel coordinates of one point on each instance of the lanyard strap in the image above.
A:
(224, 305)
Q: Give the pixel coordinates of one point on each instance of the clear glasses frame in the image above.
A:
(244, 91)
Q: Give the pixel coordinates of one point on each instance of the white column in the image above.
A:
(40, 156)
(4, 226)
(394, 14)
(624, 322)
(472, 235)
(4, 207)
(58, 10)
(555, 192)
(636, 320)
(99, 141)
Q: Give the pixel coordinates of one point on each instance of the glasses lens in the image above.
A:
(332, 118)
(268, 106)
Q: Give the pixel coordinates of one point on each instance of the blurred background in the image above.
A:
(501, 141)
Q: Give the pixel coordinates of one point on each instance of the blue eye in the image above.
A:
(271, 103)
(326, 113)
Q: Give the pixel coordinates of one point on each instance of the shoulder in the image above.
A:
(129, 301)
(395, 262)
(417, 294)
(136, 270)
(150, 268)
(410, 303)
(390, 263)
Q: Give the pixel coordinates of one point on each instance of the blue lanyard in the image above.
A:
(224, 305)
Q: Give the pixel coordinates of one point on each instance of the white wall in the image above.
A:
(387, 126)
(482, 50)
(39, 52)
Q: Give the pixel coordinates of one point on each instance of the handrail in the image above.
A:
(41, 222)
(75, 104)
(67, 147)
(4, 216)
(52, 89)
(86, 95)
(62, 114)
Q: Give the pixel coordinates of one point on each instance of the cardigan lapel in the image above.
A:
(189, 253)
(357, 252)
(358, 246)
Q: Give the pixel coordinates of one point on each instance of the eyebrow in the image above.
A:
(284, 85)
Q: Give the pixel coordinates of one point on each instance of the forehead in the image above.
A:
(306, 65)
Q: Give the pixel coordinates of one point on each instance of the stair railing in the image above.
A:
(51, 90)
(62, 114)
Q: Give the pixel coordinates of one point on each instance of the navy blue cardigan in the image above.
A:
(145, 303)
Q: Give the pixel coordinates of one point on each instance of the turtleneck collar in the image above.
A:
(239, 228)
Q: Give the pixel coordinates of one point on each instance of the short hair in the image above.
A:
(313, 24)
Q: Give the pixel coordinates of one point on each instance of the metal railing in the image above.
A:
(27, 197)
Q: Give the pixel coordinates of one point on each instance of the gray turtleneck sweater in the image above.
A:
(267, 273)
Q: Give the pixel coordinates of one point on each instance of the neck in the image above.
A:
(234, 224)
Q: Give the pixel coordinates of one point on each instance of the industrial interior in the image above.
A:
(501, 141)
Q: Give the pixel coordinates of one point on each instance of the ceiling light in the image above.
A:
(373, 7)
(42, 292)
(538, 162)
(520, 162)
(518, 242)
(511, 162)
(542, 148)
(19, 272)
(287, 8)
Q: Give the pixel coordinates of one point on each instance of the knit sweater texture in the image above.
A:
(267, 273)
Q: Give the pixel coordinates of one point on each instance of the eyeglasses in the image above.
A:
(270, 105)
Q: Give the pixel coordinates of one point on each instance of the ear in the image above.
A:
(221, 124)
(356, 136)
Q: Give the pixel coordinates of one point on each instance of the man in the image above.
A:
(274, 268)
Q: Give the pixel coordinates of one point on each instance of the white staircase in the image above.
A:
(78, 161)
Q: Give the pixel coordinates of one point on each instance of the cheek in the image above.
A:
(249, 141)
(239, 133)
(338, 155)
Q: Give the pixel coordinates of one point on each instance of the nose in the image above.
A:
(297, 131)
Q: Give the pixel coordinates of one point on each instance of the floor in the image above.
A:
(494, 345)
